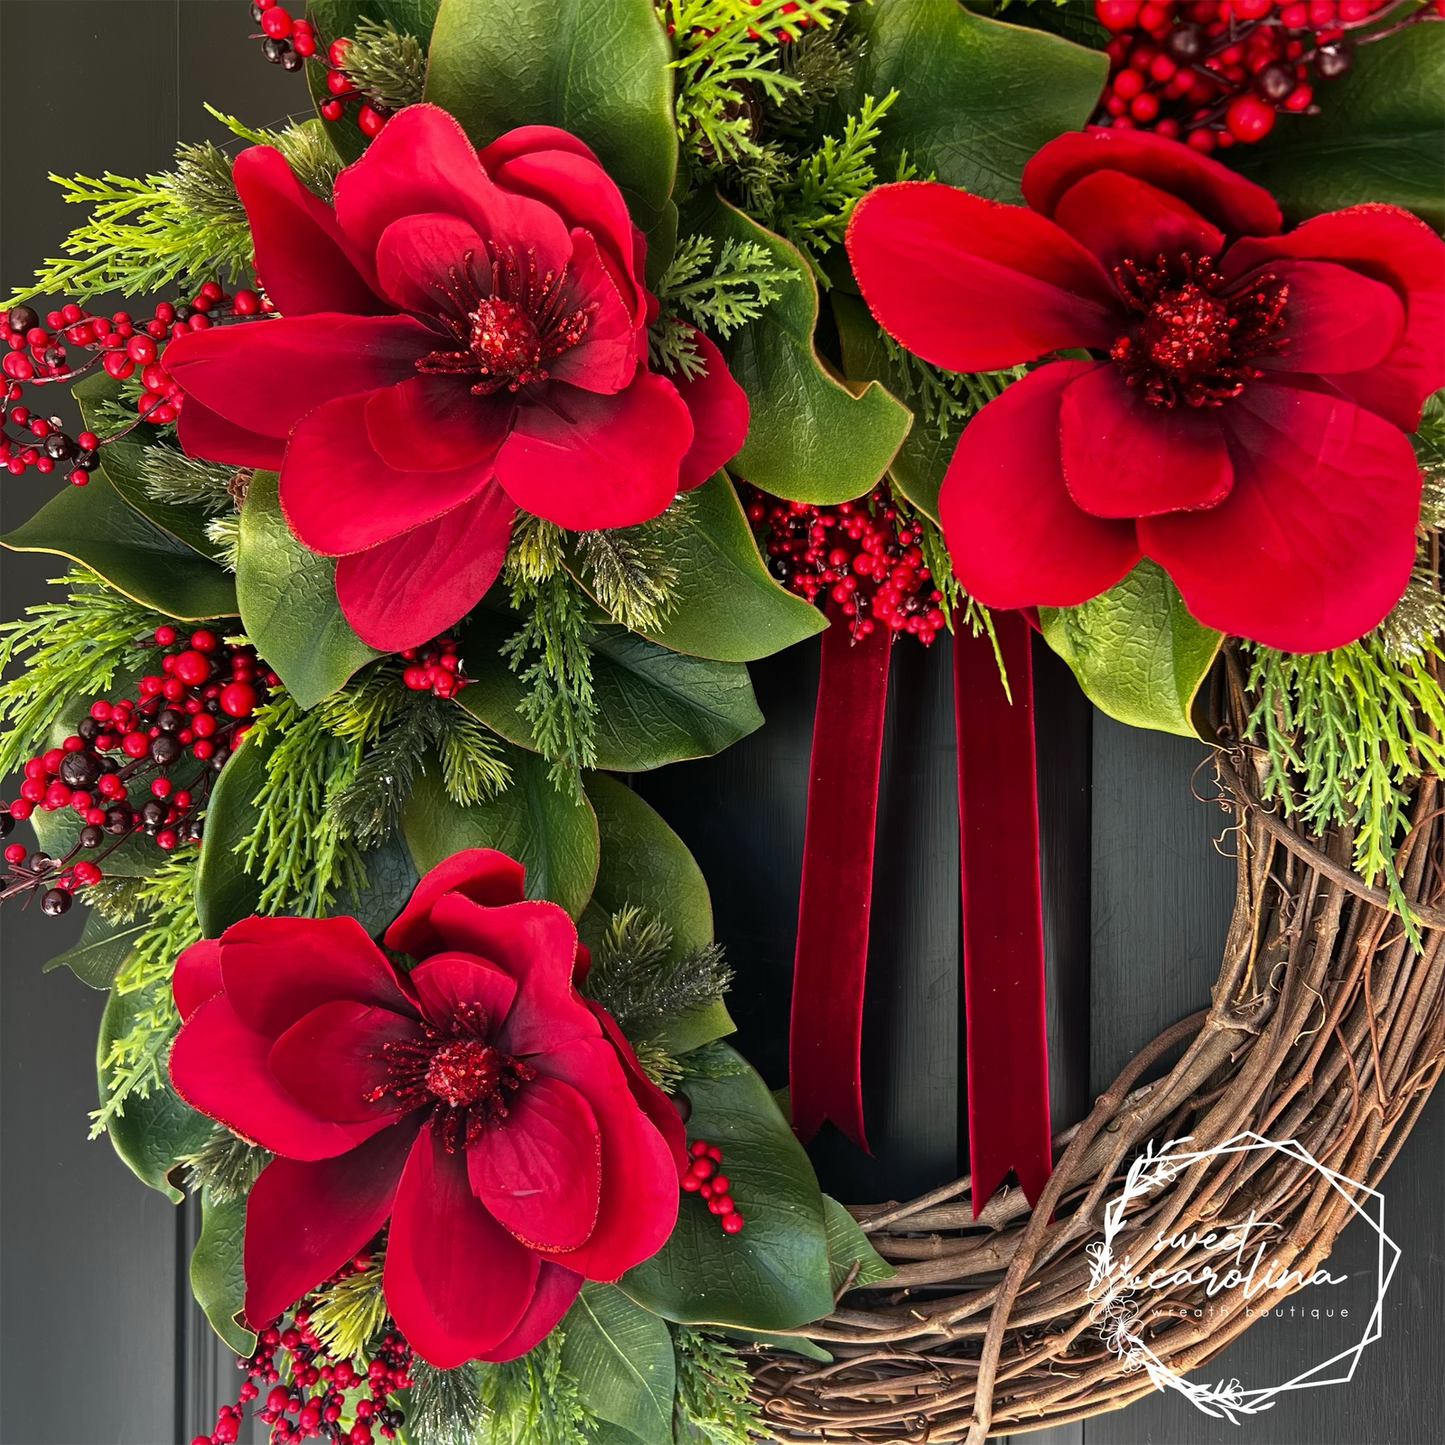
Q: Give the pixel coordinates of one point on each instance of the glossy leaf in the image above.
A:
(95, 526)
(550, 832)
(795, 1344)
(217, 1280)
(287, 596)
(121, 463)
(809, 437)
(153, 1132)
(597, 70)
(977, 97)
(1377, 137)
(727, 605)
(390, 877)
(1136, 651)
(918, 469)
(847, 1246)
(101, 949)
(774, 1274)
(621, 1357)
(225, 892)
(333, 18)
(654, 706)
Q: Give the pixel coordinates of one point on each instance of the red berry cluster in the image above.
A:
(186, 720)
(40, 355)
(285, 41)
(864, 555)
(371, 115)
(312, 1402)
(1216, 72)
(434, 667)
(705, 1177)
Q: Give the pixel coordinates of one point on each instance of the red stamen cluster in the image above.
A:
(186, 721)
(371, 115)
(434, 668)
(864, 555)
(1216, 72)
(40, 355)
(309, 1386)
(284, 41)
(705, 1177)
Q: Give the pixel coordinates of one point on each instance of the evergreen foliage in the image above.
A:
(629, 570)
(712, 1406)
(171, 476)
(387, 66)
(69, 649)
(944, 399)
(225, 1166)
(349, 1313)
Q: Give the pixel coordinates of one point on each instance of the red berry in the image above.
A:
(238, 699)
(1248, 118)
(204, 640)
(192, 667)
(15, 853)
(1116, 15)
(732, 1223)
(20, 809)
(86, 872)
(369, 122)
(276, 23)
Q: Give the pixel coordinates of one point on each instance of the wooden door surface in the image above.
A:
(99, 1341)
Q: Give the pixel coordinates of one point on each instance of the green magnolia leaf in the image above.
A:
(847, 1246)
(334, 18)
(600, 71)
(621, 1357)
(727, 605)
(57, 831)
(550, 832)
(977, 97)
(102, 948)
(644, 863)
(1136, 651)
(810, 439)
(654, 706)
(794, 1344)
(774, 1274)
(121, 463)
(918, 469)
(217, 1280)
(225, 892)
(155, 1131)
(390, 878)
(1377, 139)
(95, 526)
(287, 596)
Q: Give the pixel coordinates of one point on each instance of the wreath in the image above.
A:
(572, 356)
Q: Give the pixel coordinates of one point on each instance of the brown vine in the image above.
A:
(1327, 1025)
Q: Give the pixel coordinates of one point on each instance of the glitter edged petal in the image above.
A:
(482, 874)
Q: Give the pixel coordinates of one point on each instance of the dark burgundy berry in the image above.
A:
(256, 13)
(153, 811)
(117, 820)
(1185, 43)
(89, 729)
(1331, 61)
(87, 460)
(1274, 83)
(21, 319)
(55, 902)
(171, 721)
(274, 50)
(184, 311)
(7, 824)
(79, 770)
(165, 749)
(291, 60)
(91, 836)
(58, 446)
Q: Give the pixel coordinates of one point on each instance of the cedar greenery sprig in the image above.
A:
(944, 399)
(69, 649)
(533, 1400)
(727, 53)
(629, 569)
(719, 296)
(712, 1405)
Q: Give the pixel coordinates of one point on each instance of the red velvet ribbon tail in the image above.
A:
(825, 1074)
(1003, 936)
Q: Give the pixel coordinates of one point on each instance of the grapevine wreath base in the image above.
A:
(1326, 1027)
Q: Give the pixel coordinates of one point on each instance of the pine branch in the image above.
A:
(822, 62)
(713, 1404)
(69, 649)
(349, 1313)
(630, 570)
(633, 980)
(445, 1406)
(304, 147)
(224, 533)
(171, 476)
(533, 1400)
(473, 768)
(385, 65)
(225, 1166)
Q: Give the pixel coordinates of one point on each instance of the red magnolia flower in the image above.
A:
(496, 1117)
(462, 335)
(1241, 421)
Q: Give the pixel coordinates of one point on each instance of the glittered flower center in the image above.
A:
(461, 1073)
(506, 337)
(1195, 343)
(456, 1072)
